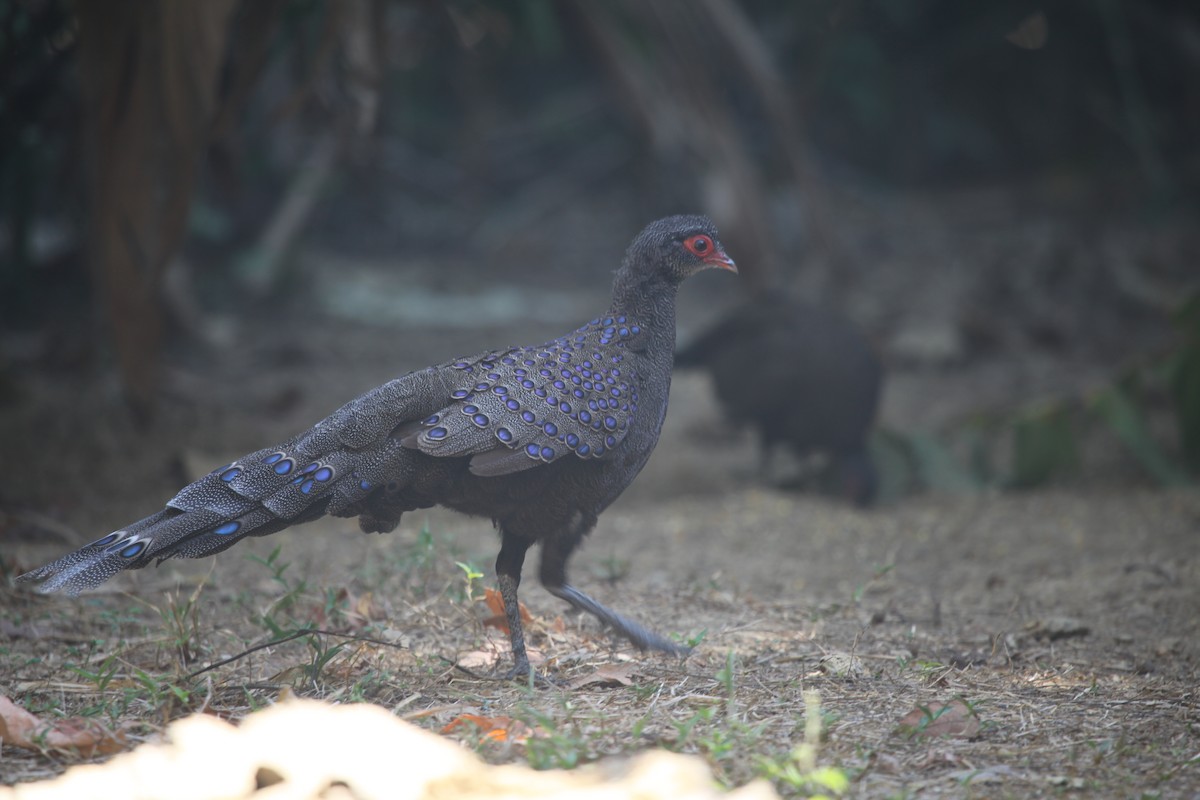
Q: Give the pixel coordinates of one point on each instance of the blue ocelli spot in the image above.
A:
(504, 435)
(610, 423)
(551, 429)
(284, 467)
(323, 474)
(610, 440)
(470, 409)
(432, 420)
(578, 393)
(309, 468)
(532, 450)
(547, 453)
(364, 485)
(230, 474)
(564, 408)
(585, 417)
(634, 329)
(500, 390)
(482, 387)
(512, 404)
(527, 416)
(481, 420)
(112, 537)
(623, 331)
(228, 528)
(572, 440)
(307, 486)
(584, 449)
(134, 550)
(527, 384)
(271, 459)
(437, 433)
(460, 394)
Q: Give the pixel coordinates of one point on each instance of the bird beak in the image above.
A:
(722, 261)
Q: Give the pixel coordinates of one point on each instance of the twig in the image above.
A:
(288, 638)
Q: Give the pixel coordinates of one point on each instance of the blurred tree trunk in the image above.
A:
(149, 76)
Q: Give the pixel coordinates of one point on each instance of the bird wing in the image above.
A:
(519, 408)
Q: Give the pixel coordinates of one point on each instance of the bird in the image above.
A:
(540, 439)
(800, 375)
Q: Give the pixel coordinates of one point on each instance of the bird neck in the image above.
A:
(646, 297)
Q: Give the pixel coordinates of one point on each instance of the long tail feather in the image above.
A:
(335, 467)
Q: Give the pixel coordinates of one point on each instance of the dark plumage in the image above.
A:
(540, 439)
(802, 376)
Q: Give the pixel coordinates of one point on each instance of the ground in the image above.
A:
(1066, 618)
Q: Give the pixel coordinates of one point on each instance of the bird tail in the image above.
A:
(348, 464)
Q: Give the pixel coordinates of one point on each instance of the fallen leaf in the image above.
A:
(495, 604)
(74, 736)
(842, 665)
(1054, 628)
(955, 719)
(606, 675)
(497, 729)
(492, 653)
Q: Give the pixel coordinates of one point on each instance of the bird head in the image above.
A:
(679, 247)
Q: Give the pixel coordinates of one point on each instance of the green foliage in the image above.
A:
(798, 773)
(1183, 372)
(1044, 441)
(471, 574)
(1044, 445)
(1116, 406)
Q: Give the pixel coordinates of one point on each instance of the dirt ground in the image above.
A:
(1067, 618)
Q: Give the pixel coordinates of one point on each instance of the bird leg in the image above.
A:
(554, 578)
(508, 575)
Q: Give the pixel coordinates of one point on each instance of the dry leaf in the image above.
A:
(606, 675)
(498, 729)
(492, 653)
(74, 736)
(843, 665)
(1054, 628)
(495, 604)
(955, 719)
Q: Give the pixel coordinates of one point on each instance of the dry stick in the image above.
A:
(288, 638)
(261, 267)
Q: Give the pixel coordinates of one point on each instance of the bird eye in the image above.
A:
(700, 244)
